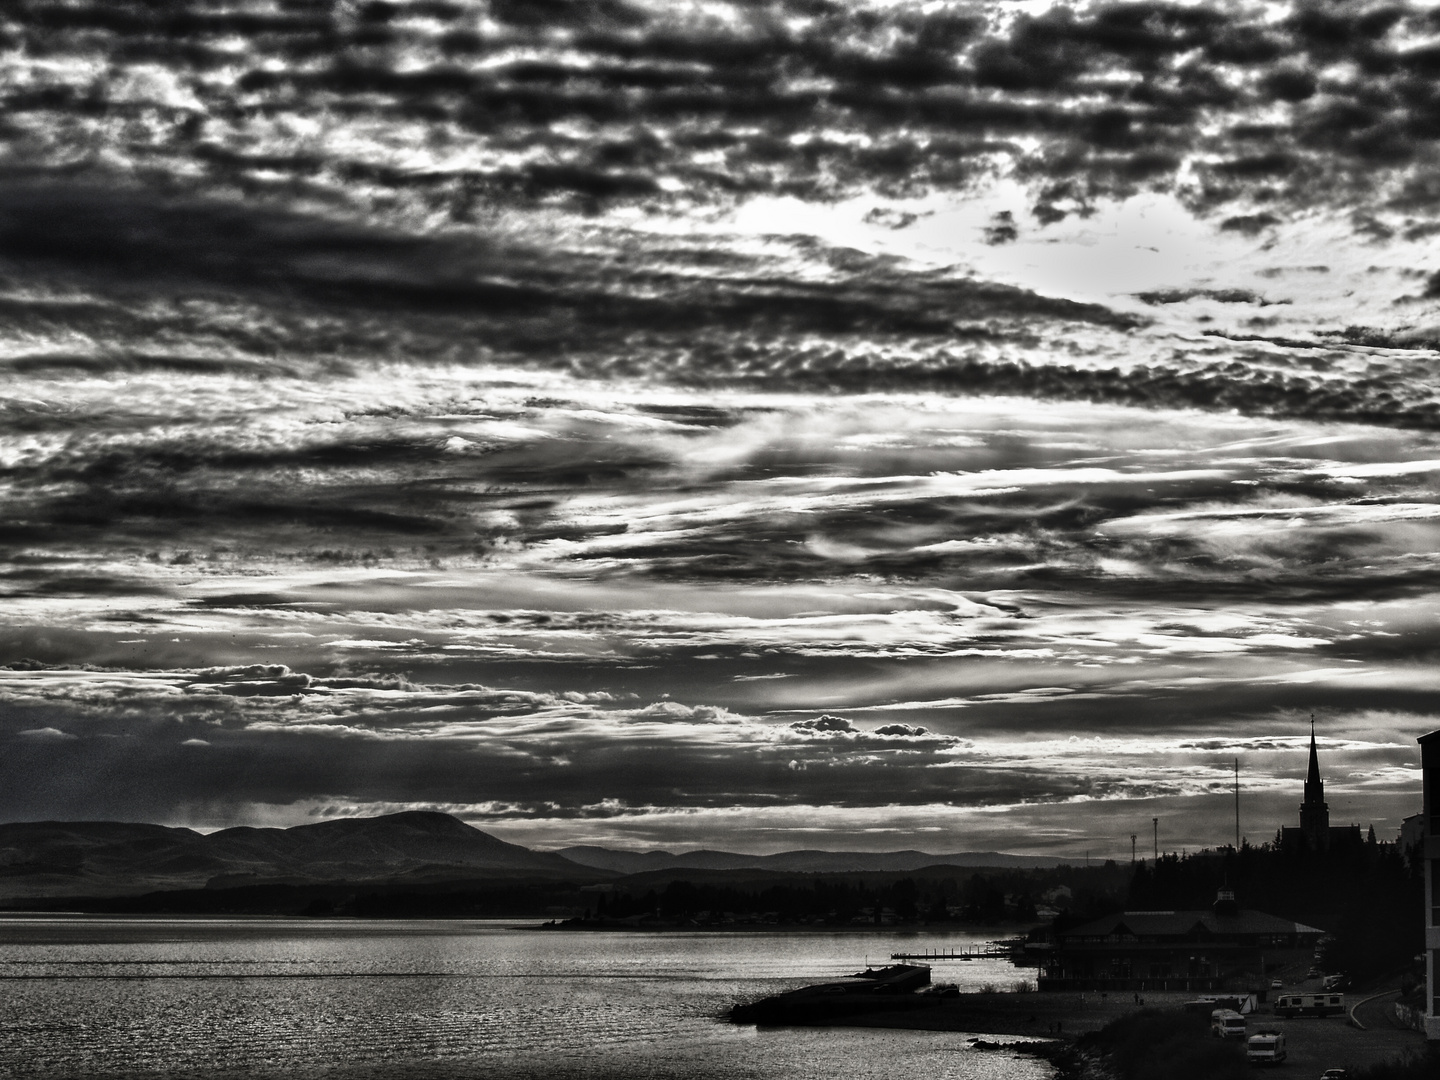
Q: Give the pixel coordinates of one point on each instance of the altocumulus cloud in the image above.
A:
(591, 105)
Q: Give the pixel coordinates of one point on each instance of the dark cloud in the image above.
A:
(900, 731)
(1249, 224)
(597, 104)
(1002, 229)
(125, 238)
(1224, 296)
(259, 744)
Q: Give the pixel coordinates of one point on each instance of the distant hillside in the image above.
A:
(111, 858)
(815, 862)
(107, 858)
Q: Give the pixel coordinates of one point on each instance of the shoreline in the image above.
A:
(1049, 1024)
(1005, 933)
(1035, 1015)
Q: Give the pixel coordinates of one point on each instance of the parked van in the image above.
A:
(1265, 1048)
(1309, 1004)
(1227, 1024)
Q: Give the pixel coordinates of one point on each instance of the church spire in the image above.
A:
(1312, 780)
(1314, 813)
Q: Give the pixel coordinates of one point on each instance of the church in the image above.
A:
(1315, 833)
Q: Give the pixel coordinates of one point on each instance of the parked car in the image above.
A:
(1335, 1074)
(1276, 984)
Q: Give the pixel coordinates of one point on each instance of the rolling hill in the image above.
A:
(88, 858)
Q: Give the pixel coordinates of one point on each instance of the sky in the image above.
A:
(748, 425)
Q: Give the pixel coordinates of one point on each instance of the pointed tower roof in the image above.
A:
(1314, 775)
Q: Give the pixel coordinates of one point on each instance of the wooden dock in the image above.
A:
(951, 954)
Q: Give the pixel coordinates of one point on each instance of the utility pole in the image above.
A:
(1237, 806)
(1156, 823)
(1132, 849)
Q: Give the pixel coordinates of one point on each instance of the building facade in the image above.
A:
(1412, 835)
(1430, 773)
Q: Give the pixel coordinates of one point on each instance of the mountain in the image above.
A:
(803, 862)
(82, 858)
(108, 858)
(401, 843)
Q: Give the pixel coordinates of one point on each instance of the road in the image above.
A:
(1375, 1013)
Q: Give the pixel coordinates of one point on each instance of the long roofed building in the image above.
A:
(1225, 947)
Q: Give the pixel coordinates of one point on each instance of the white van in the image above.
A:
(1265, 1048)
(1227, 1024)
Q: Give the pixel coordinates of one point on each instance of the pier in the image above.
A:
(950, 954)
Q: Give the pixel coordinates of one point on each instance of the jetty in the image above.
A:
(950, 954)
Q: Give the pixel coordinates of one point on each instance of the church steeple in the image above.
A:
(1314, 811)
(1314, 788)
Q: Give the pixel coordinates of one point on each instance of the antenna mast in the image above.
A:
(1237, 806)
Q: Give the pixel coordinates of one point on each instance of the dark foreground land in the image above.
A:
(1314, 1044)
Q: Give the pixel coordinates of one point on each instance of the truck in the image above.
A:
(1227, 1024)
(1265, 1048)
(1326, 1004)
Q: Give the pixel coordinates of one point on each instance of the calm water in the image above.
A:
(83, 996)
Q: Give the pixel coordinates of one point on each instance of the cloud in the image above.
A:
(1223, 296)
(825, 725)
(901, 731)
(592, 416)
(663, 107)
(545, 761)
(669, 711)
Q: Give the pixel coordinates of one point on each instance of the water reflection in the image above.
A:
(300, 998)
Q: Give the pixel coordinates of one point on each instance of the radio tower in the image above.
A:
(1237, 806)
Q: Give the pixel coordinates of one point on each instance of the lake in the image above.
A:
(142, 997)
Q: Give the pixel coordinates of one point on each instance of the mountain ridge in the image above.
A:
(814, 861)
(51, 858)
(55, 859)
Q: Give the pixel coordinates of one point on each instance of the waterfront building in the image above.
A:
(1430, 780)
(1225, 947)
(1315, 833)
